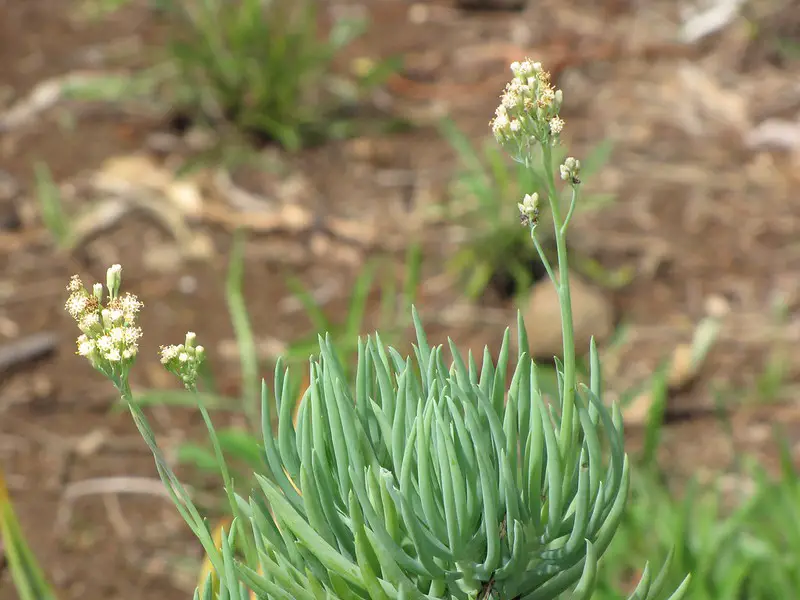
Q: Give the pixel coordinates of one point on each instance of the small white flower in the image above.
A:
(89, 322)
(523, 69)
(86, 346)
(77, 304)
(547, 96)
(183, 357)
(113, 355)
(132, 335)
(130, 305)
(168, 353)
(510, 100)
(105, 343)
(515, 125)
(75, 284)
(556, 125)
(117, 335)
(500, 123)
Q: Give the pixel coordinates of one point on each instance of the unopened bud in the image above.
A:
(529, 209)
(570, 170)
(191, 338)
(114, 280)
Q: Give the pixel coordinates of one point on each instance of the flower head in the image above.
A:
(529, 209)
(184, 360)
(110, 337)
(528, 110)
(77, 304)
(570, 170)
(75, 284)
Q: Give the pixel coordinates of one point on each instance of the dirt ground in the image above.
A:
(706, 136)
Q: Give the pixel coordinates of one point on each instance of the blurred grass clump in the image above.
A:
(27, 576)
(738, 534)
(495, 251)
(269, 71)
(266, 67)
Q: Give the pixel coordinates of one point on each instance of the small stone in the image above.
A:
(683, 367)
(635, 414)
(592, 315)
(717, 307)
(418, 13)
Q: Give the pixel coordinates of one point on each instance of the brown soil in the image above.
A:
(702, 217)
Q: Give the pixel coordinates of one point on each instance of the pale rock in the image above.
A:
(592, 313)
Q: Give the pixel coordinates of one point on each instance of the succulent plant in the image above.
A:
(429, 480)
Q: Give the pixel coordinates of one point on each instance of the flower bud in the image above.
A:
(191, 338)
(114, 280)
(570, 170)
(529, 209)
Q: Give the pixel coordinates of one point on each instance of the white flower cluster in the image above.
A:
(110, 337)
(184, 360)
(529, 108)
(529, 209)
(570, 170)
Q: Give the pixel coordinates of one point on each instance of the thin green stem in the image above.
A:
(243, 538)
(244, 534)
(567, 430)
(543, 258)
(248, 356)
(177, 492)
(573, 202)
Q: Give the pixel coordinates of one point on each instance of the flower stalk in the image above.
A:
(528, 116)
